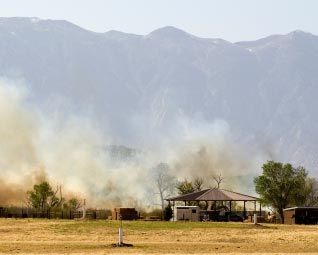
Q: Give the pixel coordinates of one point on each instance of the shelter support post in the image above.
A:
(254, 206)
(244, 212)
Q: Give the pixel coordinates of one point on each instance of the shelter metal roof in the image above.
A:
(301, 208)
(213, 195)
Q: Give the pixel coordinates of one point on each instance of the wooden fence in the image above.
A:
(15, 212)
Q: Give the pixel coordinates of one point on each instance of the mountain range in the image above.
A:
(139, 87)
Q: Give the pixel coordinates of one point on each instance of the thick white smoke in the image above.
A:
(65, 151)
(72, 151)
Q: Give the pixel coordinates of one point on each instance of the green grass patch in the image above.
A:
(87, 226)
(82, 226)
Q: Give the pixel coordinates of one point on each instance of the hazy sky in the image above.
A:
(232, 20)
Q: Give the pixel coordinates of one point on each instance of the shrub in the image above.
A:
(167, 213)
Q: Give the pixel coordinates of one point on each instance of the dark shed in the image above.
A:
(301, 215)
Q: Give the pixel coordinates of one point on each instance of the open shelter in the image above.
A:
(216, 195)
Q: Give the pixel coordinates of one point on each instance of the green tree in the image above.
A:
(185, 187)
(281, 185)
(74, 204)
(42, 196)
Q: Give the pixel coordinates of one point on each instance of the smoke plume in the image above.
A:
(72, 151)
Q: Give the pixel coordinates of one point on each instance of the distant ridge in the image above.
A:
(141, 87)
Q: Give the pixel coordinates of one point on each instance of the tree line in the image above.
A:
(279, 186)
(43, 196)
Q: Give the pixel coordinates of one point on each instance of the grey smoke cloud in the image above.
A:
(205, 149)
(70, 151)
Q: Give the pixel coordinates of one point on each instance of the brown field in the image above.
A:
(32, 236)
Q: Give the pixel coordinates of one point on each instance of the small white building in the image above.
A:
(187, 213)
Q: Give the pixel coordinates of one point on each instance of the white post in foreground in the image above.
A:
(120, 232)
(120, 236)
(255, 218)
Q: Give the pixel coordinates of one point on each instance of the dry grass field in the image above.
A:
(33, 236)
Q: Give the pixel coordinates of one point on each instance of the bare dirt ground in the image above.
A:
(32, 236)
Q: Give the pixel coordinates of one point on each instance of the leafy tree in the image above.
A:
(281, 185)
(42, 196)
(185, 187)
(74, 204)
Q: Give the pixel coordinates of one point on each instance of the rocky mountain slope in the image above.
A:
(140, 88)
